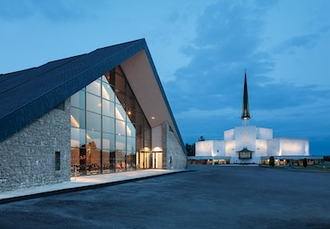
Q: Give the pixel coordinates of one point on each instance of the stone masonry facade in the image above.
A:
(39, 154)
(173, 154)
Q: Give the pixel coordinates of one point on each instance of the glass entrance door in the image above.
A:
(157, 159)
(145, 160)
(150, 160)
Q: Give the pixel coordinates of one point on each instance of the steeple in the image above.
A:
(245, 111)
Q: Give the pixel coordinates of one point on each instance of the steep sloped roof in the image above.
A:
(28, 94)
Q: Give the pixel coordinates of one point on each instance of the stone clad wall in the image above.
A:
(173, 152)
(27, 158)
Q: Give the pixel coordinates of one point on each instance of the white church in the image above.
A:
(252, 145)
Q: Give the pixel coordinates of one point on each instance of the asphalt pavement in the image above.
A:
(203, 197)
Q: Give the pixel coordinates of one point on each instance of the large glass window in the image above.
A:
(93, 121)
(108, 108)
(93, 103)
(95, 87)
(120, 142)
(108, 126)
(78, 100)
(130, 130)
(93, 139)
(107, 92)
(120, 127)
(77, 118)
(108, 141)
(78, 137)
(120, 112)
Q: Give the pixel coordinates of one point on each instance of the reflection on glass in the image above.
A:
(93, 139)
(93, 121)
(130, 129)
(94, 88)
(108, 108)
(104, 79)
(130, 161)
(120, 161)
(75, 157)
(131, 143)
(107, 92)
(106, 162)
(120, 142)
(120, 127)
(77, 137)
(93, 161)
(108, 141)
(77, 118)
(93, 103)
(108, 124)
(120, 112)
(78, 100)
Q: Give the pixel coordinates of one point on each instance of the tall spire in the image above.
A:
(245, 110)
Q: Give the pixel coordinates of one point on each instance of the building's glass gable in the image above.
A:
(108, 127)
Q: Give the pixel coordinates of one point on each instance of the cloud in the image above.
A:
(226, 44)
(229, 37)
(56, 11)
(14, 9)
(299, 113)
(194, 113)
(291, 45)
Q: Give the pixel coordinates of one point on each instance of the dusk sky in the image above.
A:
(200, 49)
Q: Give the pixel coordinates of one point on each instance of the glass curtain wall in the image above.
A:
(108, 127)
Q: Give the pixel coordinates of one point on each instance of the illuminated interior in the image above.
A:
(109, 132)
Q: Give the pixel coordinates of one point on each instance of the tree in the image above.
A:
(190, 149)
(201, 138)
(272, 161)
(305, 163)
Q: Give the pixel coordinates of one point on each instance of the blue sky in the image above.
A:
(200, 49)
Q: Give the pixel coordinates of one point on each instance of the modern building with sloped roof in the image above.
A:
(101, 112)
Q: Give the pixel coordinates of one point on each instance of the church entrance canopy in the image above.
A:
(245, 154)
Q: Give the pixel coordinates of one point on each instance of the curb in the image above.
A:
(81, 188)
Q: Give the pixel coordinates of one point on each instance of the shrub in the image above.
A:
(271, 161)
(305, 162)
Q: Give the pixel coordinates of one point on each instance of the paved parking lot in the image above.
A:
(207, 197)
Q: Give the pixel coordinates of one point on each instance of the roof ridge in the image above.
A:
(41, 74)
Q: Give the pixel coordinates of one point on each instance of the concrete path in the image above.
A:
(83, 182)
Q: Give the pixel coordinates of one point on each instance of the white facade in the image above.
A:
(257, 142)
(288, 146)
(211, 148)
(249, 144)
